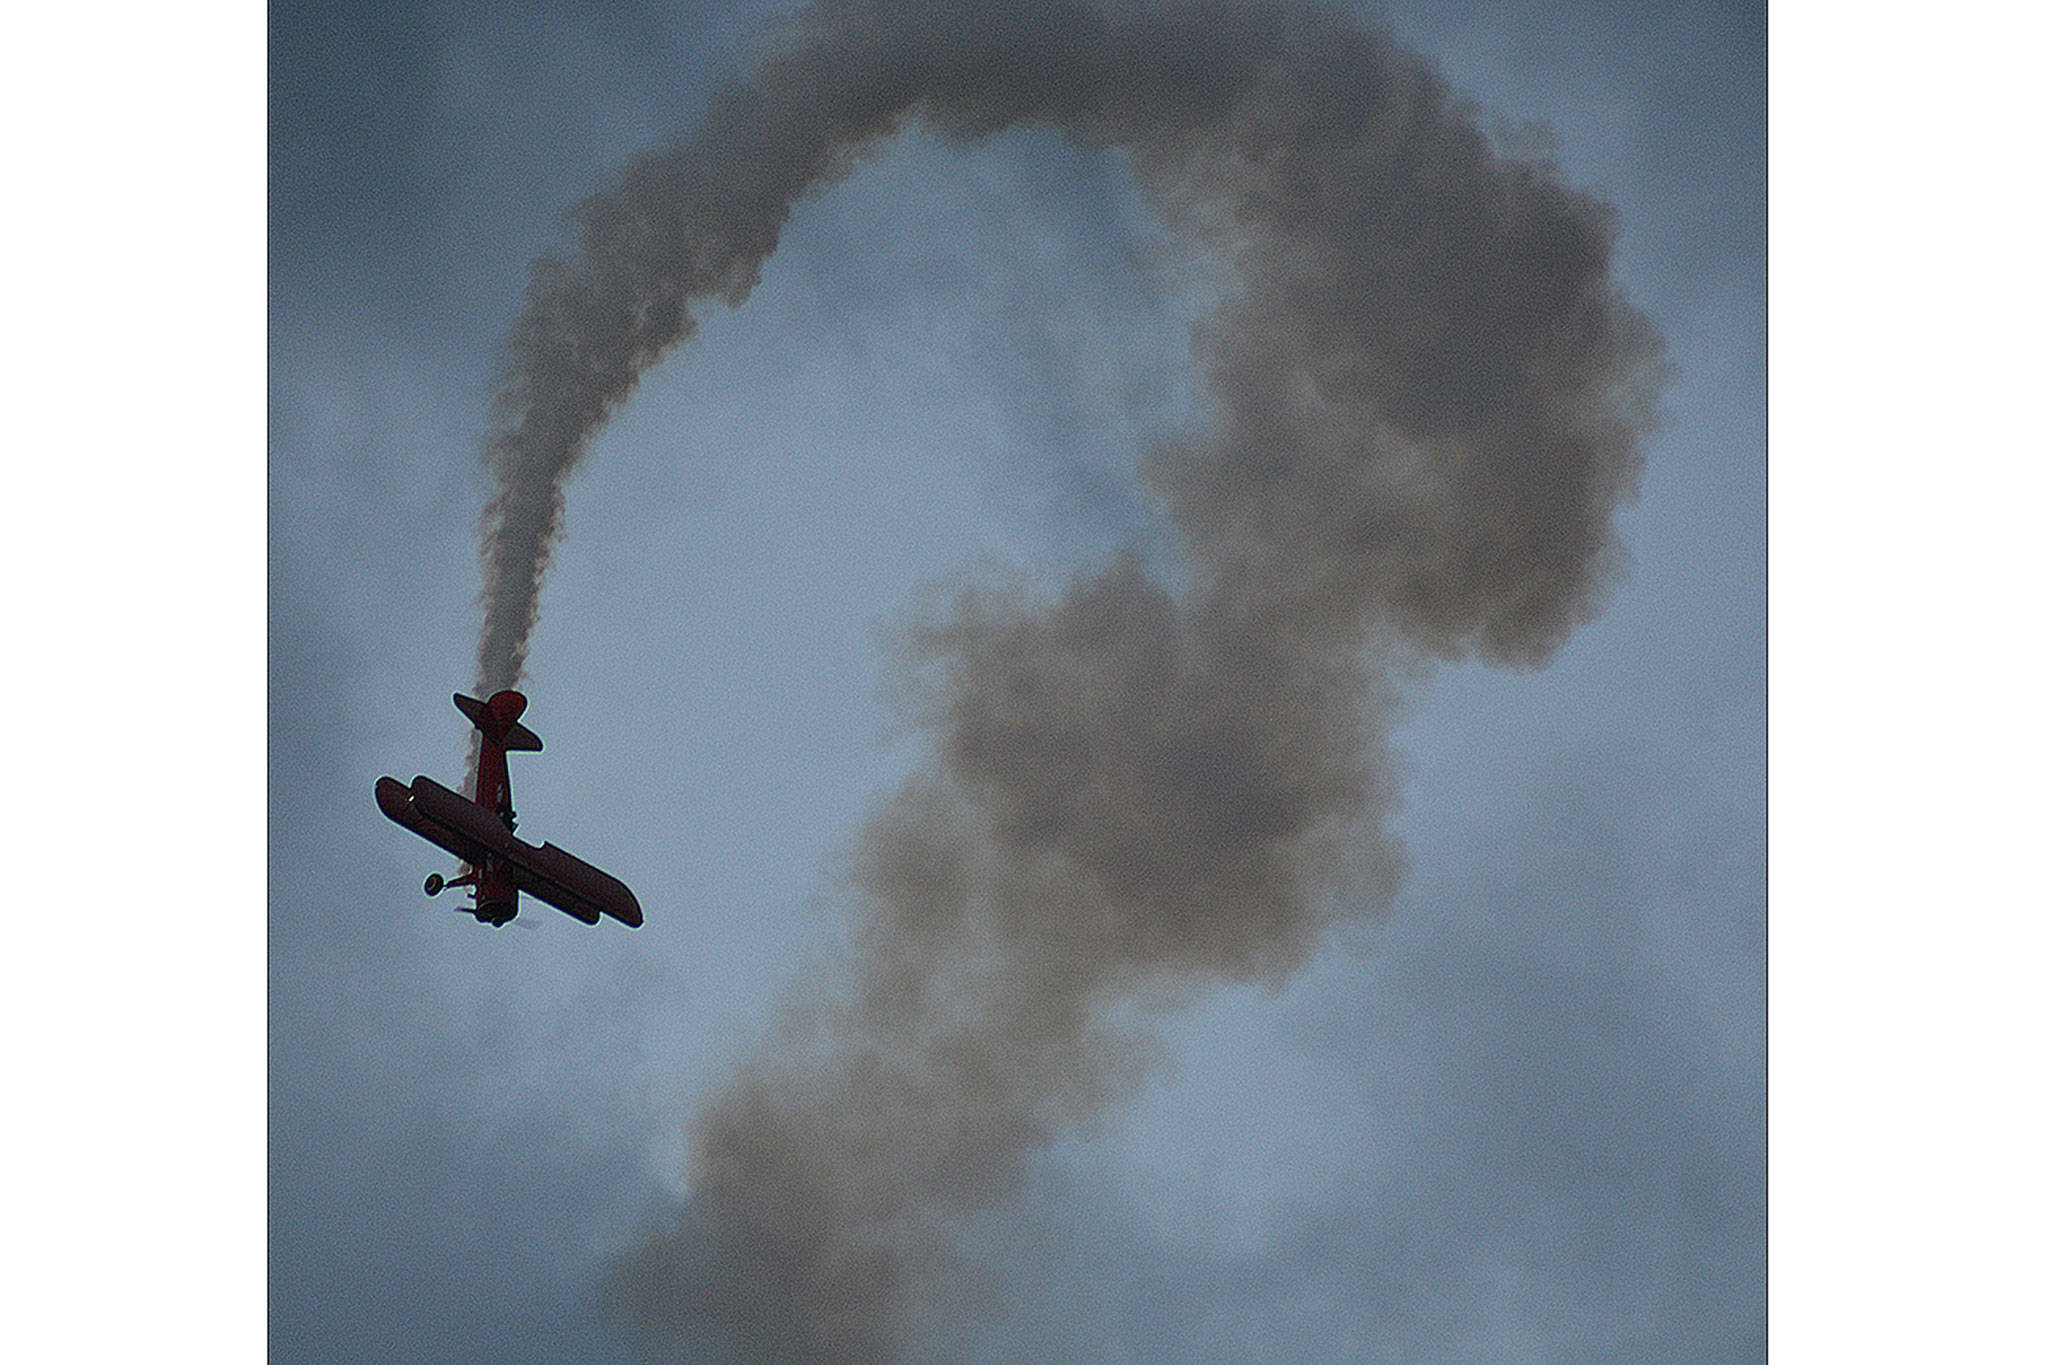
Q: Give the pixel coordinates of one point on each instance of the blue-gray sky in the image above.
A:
(1906, 926)
(1521, 1118)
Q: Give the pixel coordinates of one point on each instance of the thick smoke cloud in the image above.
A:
(1426, 401)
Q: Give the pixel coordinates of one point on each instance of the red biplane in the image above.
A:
(497, 866)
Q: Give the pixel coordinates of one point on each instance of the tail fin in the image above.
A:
(498, 718)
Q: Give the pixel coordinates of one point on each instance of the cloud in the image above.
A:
(1425, 397)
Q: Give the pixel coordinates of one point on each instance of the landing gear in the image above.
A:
(434, 883)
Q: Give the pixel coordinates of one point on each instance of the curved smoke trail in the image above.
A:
(1427, 398)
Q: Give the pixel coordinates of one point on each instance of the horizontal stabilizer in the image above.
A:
(511, 735)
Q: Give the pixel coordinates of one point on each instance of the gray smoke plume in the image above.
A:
(1426, 401)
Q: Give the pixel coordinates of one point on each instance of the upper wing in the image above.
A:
(555, 894)
(399, 802)
(568, 883)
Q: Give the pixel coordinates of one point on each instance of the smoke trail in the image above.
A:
(1427, 399)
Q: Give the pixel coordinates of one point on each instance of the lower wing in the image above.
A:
(471, 833)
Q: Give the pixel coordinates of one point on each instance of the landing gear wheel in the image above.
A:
(434, 883)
